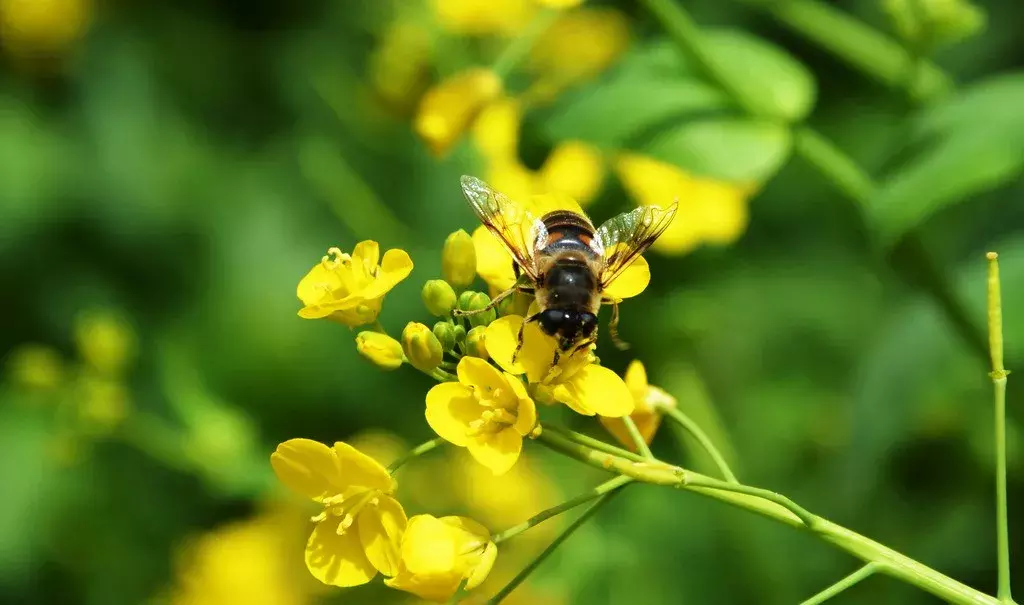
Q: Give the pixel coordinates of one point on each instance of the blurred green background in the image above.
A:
(170, 170)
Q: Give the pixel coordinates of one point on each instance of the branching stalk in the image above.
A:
(862, 573)
(687, 424)
(415, 452)
(638, 439)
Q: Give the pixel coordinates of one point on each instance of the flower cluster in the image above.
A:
(493, 370)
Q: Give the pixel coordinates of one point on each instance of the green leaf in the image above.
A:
(970, 144)
(782, 86)
(731, 149)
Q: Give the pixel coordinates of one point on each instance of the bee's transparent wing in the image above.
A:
(521, 233)
(623, 238)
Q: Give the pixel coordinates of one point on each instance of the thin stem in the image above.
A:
(415, 452)
(519, 47)
(544, 515)
(562, 537)
(999, 373)
(830, 161)
(809, 520)
(589, 441)
(638, 439)
(687, 424)
(864, 572)
(894, 563)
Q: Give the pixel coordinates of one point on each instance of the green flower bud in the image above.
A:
(475, 342)
(458, 259)
(929, 24)
(477, 302)
(439, 297)
(445, 333)
(460, 333)
(516, 304)
(421, 347)
(385, 352)
(466, 300)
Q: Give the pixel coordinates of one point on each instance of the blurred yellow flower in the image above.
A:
(102, 403)
(42, 28)
(350, 288)
(504, 501)
(646, 415)
(383, 446)
(486, 411)
(484, 17)
(105, 341)
(559, 4)
(447, 110)
(398, 68)
(575, 380)
(243, 563)
(35, 366)
(496, 131)
(359, 531)
(575, 169)
(710, 211)
(438, 554)
(578, 46)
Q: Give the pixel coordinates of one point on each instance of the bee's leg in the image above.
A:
(613, 329)
(519, 337)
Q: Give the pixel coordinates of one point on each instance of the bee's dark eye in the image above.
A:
(551, 320)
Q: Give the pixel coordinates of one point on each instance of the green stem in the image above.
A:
(415, 452)
(999, 373)
(638, 439)
(544, 515)
(830, 161)
(864, 572)
(866, 49)
(562, 537)
(590, 442)
(780, 509)
(519, 47)
(691, 427)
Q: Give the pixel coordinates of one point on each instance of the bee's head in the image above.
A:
(568, 325)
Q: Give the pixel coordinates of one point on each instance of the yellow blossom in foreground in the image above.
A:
(438, 554)
(486, 411)
(710, 211)
(350, 288)
(42, 27)
(105, 341)
(576, 380)
(647, 399)
(449, 109)
(577, 47)
(358, 532)
(484, 17)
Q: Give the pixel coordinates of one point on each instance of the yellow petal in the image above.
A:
(356, 468)
(395, 267)
(496, 131)
(307, 467)
(317, 285)
(366, 256)
(598, 389)
(435, 588)
(636, 379)
(511, 177)
(473, 530)
(559, 4)
(552, 201)
(337, 560)
(632, 281)
(482, 376)
(534, 358)
(499, 451)
(448, 109)
(483, 567)
(647, 424)
(575, 169)
(450, 408)
(526, 415)
(380, 531)
(429, 546)
(493, 263)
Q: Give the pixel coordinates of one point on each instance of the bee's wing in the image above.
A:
(628, 235)
(520, 232)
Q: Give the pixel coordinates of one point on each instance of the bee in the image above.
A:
(562, 260)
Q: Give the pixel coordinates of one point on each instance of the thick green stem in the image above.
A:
(687, 424)
(590, 442)
(419, 450)
(781, 509)
(544, 515)
(562, 537)
(638, 439)
(864, 572)
(999, 373)
(866, 49)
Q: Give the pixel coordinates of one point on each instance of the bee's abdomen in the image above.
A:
(567, 230)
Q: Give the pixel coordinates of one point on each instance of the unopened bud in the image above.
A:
(933, 23)
(458, 259)
(439, 297)
(482, 303)
(385, 352)
(475, 345)
(460, 333)
(445, 333)
(516, 304)
(421, 347)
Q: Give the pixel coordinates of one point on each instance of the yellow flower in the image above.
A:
(710, 211)
(577, 47)
(576, 380)
(105, 341)
(486, 411)
(102, 403)
(449, 109)
(350, 288)
(35, 366)
(382, 350)
(484, 17)
(496, 131)
(575, 169)
(559, 4)
(438, 554)
(42, 27)
(647, 399)
(421, 347)
(504, 501)
(359, 531)
(398, 68)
